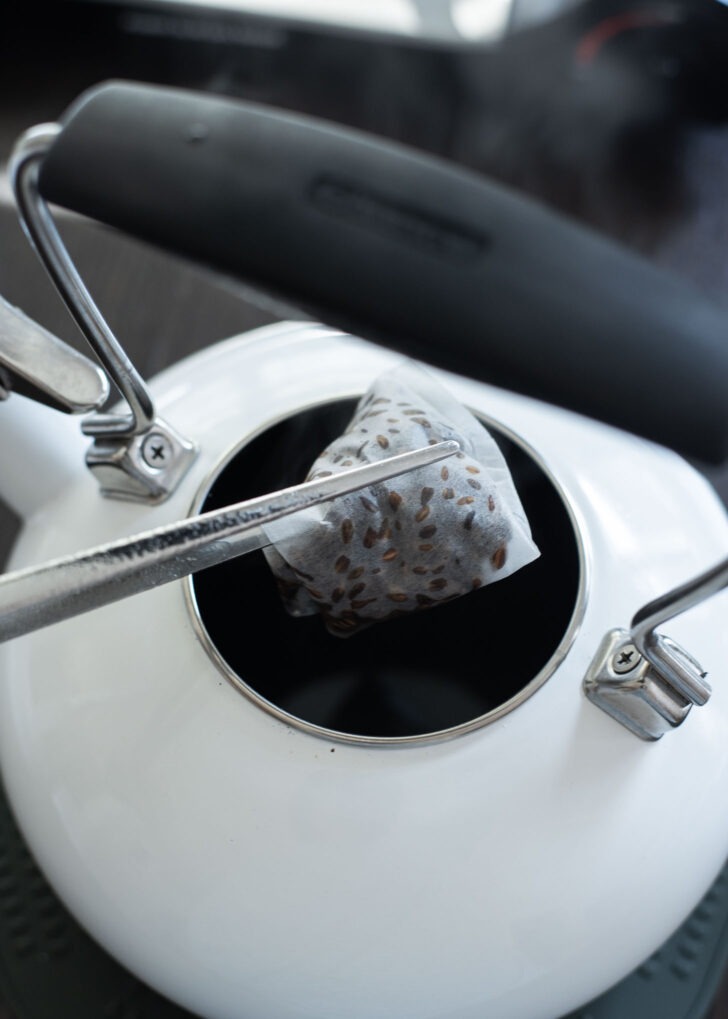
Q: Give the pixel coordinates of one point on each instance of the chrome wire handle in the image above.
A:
(660, 650)
(43, 235)
(137, 455)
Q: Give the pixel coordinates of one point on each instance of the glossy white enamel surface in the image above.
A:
(248, 869)
(39, 454)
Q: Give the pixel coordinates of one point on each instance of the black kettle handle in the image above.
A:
(405, 250)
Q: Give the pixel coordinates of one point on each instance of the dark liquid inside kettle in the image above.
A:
(416, 675)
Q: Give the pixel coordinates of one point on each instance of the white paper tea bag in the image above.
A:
(412, 543)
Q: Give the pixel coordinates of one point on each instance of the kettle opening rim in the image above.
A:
(571, 524)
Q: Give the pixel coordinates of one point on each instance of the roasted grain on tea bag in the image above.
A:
(415, 542)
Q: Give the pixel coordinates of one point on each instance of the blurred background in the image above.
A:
(613, 111)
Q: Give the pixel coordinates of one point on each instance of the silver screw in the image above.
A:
(157, 450)
(626, 659)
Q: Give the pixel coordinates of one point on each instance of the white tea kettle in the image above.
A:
(432, 820)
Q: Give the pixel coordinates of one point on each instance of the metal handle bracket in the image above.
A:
(645, 680)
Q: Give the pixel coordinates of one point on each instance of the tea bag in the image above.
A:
(415, 542)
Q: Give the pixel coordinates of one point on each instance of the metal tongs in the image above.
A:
(36, 597)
